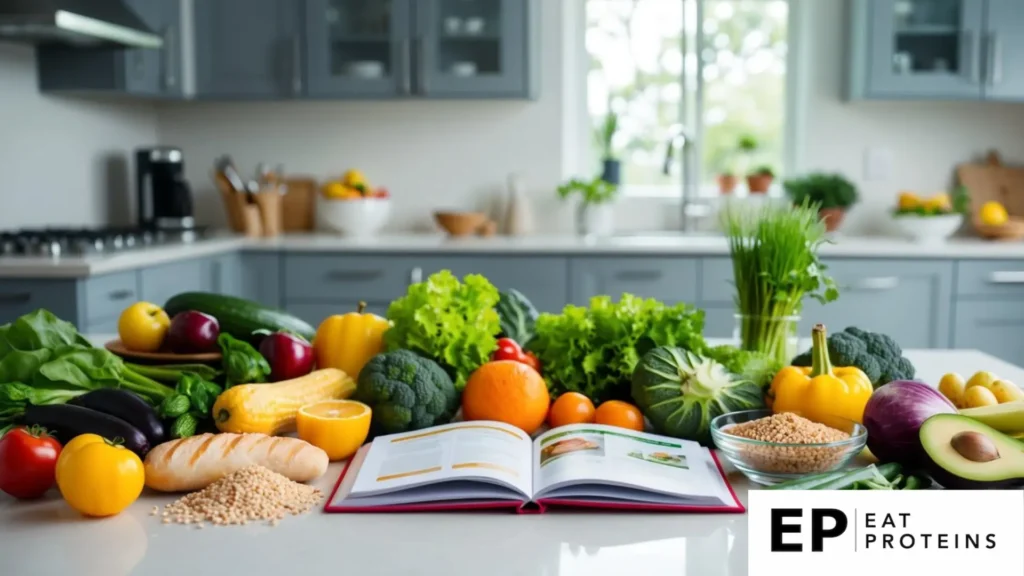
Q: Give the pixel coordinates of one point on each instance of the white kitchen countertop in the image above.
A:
(665, 245)
(47, 537)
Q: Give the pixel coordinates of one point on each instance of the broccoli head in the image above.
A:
(877, 355)
(406, 392)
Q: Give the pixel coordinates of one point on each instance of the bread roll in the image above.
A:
(195, 463)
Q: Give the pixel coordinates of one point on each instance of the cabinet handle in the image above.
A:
(638, 275)
(421, 67)
(405, 59)
(117, 295)
(1007, 277)
(17, 298)
(297, 65)
(876, 284)
(170, 58)
(354, 275)
(996, 56)
(416, 275)
(970, 55)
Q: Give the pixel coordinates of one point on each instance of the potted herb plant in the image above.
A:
(760, 180)
(611, 166)
(833, 194)
(594, 216)
(727, 181)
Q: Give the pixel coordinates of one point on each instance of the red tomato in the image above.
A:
(530, 359)
(508, 349)
(28, 460)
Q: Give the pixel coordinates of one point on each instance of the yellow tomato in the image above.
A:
(143, 327)
(952, 387)
(977, 396)
(993, 214)
(338, 427)
(983, 379)
(1006, 391)
(97, 477)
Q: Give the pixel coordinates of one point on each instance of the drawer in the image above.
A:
(1000, 278)
(716, 281)
(261, 278)
(159, 283)
(315, 312)
(543, 280)
(19, 297)
(107, 296)
(992, 327)
(348, 278)
(669, 280)
(106, 327)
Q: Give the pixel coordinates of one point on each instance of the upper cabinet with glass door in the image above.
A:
(476, 48)
(941, 49)
(359, 48)
(918, 48)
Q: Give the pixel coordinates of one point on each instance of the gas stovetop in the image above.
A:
(56, 242)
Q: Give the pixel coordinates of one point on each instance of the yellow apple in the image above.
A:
(143, 327)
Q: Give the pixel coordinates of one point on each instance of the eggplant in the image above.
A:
(65, 422)
(127, 406)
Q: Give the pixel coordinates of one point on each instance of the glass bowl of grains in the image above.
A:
(771, 448)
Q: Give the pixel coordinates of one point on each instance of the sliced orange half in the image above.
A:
(338, 427)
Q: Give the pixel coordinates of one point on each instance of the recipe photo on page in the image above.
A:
(491, 459)
(605, 463)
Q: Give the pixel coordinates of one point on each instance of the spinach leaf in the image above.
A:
(21, 366)
(86, 369)
(5, 347)
(15, 396)
(41, 329)
(243, 364)
(201, 394)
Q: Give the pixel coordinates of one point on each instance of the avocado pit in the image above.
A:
(975, 446)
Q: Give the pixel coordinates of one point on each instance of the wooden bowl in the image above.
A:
(460, 223)
(119, 349)
(1011, 231)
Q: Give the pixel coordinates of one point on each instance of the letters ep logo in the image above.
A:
(798, 533)
(786, 521)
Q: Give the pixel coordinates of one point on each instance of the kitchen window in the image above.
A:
(728, 81)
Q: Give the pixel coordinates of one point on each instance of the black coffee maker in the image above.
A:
(164, 197)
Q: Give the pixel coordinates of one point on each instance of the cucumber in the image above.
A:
(238, 316)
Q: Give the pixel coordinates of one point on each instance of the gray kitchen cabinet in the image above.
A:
(140, 71)
(668, 279)
(337, 278)
(104, 297)
(249, 49)
(359, 48)
(227, 275)
(19, 297)
(486, 48)
(160, 283)
(993, 326)
(261, 278)
(1004, 49)
(315, 312)
(719, 321)
(542, 280)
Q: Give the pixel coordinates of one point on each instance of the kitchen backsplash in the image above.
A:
(65, 160)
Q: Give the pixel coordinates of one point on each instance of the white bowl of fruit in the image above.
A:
(350, 206)
(927, 219)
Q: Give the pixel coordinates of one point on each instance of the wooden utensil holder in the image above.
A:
(261, 217)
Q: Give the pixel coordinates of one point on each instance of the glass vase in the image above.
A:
(776, 336)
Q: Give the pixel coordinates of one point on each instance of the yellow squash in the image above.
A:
(821, 392)
(271, 408)
(348, 341)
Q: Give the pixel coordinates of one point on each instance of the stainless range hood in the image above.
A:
(75, 22)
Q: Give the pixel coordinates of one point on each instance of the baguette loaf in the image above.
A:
(194, 463)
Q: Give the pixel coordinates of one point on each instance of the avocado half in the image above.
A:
(965, 454)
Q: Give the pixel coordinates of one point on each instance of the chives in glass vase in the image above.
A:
(774, 250)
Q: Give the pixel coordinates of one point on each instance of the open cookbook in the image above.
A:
(483, 464)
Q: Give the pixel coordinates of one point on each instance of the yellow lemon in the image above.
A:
(993, 214)
(939, 203)
(354, 178)
(338, 427)
(334, 190)
(908, 201)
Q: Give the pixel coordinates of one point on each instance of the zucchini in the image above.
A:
(238, 316)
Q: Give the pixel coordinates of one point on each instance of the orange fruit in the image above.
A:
(509, 392)
(571, 408)
(338, 427)
(621, 414)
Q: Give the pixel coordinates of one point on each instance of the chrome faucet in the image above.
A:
(689, 157)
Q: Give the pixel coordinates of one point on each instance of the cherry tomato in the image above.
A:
(508, 349)
(28, 461)
(530, 359)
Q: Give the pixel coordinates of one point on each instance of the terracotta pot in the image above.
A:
(727, 183)
(759, 183)
(833, 217)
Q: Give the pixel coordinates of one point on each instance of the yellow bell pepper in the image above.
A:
(348, 341)
(98, 477)
(820, 392)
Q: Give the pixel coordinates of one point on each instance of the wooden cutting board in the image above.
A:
(298, 207)
(992, 180)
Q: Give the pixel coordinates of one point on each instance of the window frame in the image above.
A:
(584, 158)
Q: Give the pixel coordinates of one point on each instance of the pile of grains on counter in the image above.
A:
(787, 428)
(251, 494)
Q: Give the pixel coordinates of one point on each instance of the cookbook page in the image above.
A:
(593, 454)
(484, 451)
